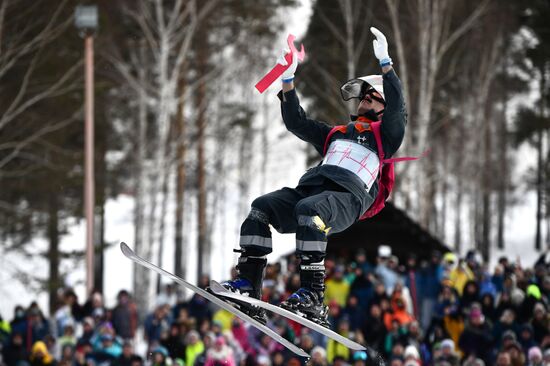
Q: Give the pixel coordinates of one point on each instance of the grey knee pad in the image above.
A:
(256, 214)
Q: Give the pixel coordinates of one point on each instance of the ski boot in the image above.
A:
(308, 304)
(250, 272)
(307, 301)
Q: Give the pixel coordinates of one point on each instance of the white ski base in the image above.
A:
(218, 289)
(129, 253)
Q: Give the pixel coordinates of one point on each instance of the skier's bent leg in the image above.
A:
(274, 208)
(255, 243)
(255, 233)
(311, 244)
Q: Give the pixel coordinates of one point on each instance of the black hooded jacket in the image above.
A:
(316, 133)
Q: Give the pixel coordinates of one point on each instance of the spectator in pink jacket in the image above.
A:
(220, 354)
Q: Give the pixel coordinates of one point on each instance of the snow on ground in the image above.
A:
(520, 233)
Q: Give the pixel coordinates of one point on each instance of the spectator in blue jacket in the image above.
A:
(34, 328)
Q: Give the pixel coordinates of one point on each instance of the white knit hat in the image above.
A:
(411, 351)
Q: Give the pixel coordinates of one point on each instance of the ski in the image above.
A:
(129, 253)
(218, 289)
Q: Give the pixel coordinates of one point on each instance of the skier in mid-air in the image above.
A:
(331, 196)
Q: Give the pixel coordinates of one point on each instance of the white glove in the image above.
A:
(288, 75)
(380, 46)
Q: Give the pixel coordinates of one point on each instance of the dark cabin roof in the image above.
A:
(393, 227)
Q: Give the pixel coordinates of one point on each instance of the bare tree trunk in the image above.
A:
(100, 252)
(3, 7)
(165, 192)
(487, 71)
(503, 167)
(347, 12)
(246, 160)
(458, 218)
(162, 138)
(404, 171)
(540, 162)
(244, 168)
(393, 9)
(54, 281)
(486, 194)
(141, 274)
(460, 149)
(424, 102)
(477, 217)
(430, 195)
(179, 248)
(538, 239)
(202, 240)
(444, 188)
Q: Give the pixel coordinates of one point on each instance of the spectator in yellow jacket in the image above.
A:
(460, 275)
(194, 347)
(336, 288)
(334, 348)
(224, 317)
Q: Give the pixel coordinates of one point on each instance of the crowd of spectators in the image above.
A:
(443, 311)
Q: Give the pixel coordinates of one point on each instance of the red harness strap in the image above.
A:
(386, 171)
(334, 129)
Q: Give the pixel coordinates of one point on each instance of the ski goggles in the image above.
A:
(360, 89)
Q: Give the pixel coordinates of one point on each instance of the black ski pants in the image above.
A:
(295, 210)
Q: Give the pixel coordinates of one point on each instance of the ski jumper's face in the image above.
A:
(369, 103)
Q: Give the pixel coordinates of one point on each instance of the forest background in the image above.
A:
(184, 142)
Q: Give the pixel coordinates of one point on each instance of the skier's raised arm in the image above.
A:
(395, 116)
(288, 76)
(294, 116)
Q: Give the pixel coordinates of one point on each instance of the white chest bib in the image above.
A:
(354, 157)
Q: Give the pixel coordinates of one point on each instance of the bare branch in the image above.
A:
(333, 29)
(52, 90)
(18, 173)
(49, 33)
(141, 19)
(3, 7)
(365, 31)
(464, 27)
(174, 16)
(330, 78)
(124, 70)
(159, 12)
(41, 132)
(184, 47)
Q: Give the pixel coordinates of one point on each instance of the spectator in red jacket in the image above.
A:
(398, 312)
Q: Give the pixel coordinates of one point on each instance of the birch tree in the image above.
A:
(167, 30)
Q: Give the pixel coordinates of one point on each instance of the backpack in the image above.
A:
(386, 172)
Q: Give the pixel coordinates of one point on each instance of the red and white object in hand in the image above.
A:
(280, 68)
